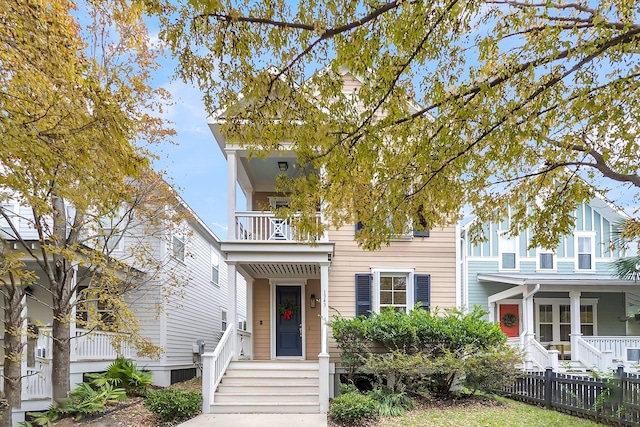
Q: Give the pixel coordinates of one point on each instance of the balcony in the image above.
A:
(266, 227)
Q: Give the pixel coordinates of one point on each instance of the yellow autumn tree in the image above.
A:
(77, 114)
(491, 104)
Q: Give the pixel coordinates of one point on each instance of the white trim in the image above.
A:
(577, 236)
(516, 246)
(554, 257)
(409, 272)
(273, 283)
(556, 303)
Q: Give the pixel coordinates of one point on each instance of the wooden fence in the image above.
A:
(614, 400)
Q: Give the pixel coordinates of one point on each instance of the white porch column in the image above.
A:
(232, 304)
(72, 321)
(492, 312)
(323, 357)
(232, 179)
(250, 312)
(23, 340)
(528, 314)
(576, 330)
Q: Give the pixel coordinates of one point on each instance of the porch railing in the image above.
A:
(99, 345)
(214, 366)
(617, 345)
(87, 345)
(245, 349)
(591, 357)
(264, 226)
(540, 356)
(37, 384)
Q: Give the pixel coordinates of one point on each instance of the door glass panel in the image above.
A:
(586, 314)
(586, 330)
(565, 314)
(565, 330)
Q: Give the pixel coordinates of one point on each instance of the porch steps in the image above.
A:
(286, 387)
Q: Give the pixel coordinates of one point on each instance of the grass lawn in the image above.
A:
(500, 412)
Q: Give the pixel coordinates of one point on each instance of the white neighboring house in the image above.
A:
(198, 311)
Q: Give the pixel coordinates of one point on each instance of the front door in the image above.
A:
(510, 320)
(288, 321)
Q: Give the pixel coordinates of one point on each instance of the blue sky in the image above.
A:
(194, 164)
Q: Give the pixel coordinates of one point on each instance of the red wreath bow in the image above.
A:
(287, 314)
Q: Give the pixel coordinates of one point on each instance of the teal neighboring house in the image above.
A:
(561, 305)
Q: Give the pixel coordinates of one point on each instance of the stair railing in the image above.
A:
(214, 366)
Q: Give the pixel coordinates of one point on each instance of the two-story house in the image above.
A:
(557, 303)
(294, 289)
(181, 307)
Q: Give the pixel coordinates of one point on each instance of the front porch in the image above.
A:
(283, 353)
(91, 351)
(557, 320)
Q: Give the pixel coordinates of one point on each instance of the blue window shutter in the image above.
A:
(422, 290)
(359, 226)
(418, 233)
(363, 294)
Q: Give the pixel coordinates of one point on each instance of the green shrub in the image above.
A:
(492, 370)
(174, 405)
(125, 374)
(353, 407)
(392, 404)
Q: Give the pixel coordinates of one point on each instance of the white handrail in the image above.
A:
(591, 357)
(617, 344)
(541, 356)
(215, 364)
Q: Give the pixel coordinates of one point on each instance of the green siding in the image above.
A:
(579, 218)
(610, 306)
(588, 223)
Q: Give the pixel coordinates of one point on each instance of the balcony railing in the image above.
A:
(265, 227)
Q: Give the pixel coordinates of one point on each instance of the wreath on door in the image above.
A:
(509, 320)
(288, 308)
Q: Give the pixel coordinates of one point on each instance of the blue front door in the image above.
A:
(288, 321)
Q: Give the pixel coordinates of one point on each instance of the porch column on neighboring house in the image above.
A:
(23, 340)
(576, 330)
(232, 304)
(72, 322)
(232, 179)
(323, 357)
(492, 312)
(528, 314)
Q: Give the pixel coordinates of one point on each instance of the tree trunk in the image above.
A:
(61, 289)
(13, 347)
(61, 355)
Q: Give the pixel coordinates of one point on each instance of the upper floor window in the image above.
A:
(178, 246)
(215, 267)
(585, 251)
(12, 212)
(508, 250)
(546, 260)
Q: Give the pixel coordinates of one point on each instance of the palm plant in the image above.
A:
(624, 233)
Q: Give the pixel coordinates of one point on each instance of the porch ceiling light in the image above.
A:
(283, 166)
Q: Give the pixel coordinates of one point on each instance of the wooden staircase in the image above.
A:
(268, 387)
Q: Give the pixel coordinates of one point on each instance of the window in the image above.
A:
(215, 266)
(507, 248)
(177, 245)
(554, 319)
(223, 321)
(546, 260)
(585, 252)
(393, 291)
(391, 288)
(93, 308)
(12, 212)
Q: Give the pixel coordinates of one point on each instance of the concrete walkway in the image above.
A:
(257, 420)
